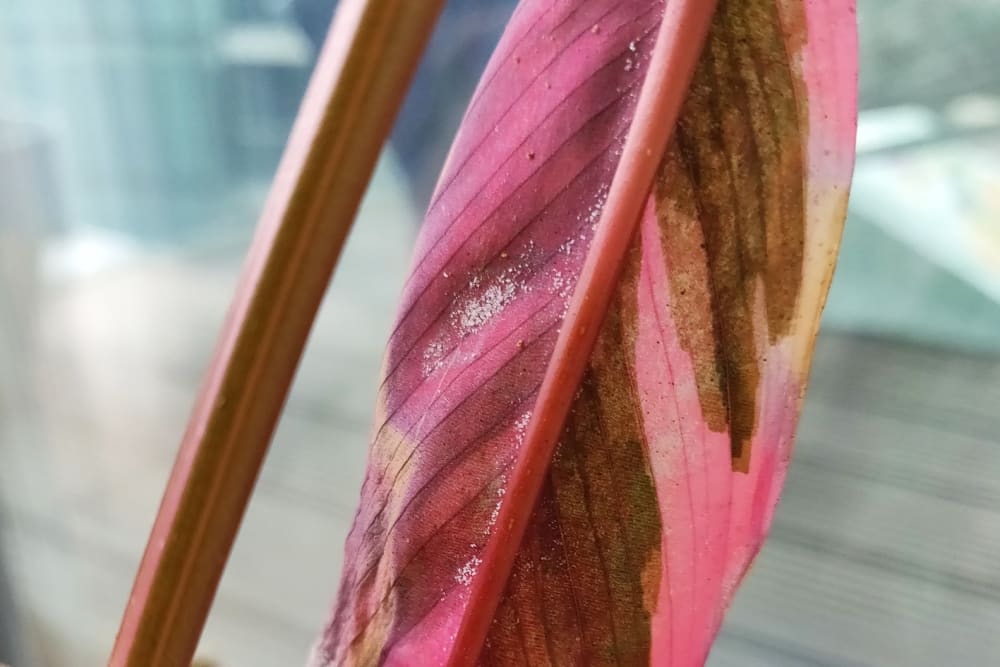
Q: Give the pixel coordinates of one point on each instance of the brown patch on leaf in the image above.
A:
(586, 578)
(730, 199)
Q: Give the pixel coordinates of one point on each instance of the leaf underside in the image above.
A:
(671, 462)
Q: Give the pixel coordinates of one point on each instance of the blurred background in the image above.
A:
(137, 140)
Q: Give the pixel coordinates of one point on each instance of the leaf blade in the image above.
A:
(500, 252)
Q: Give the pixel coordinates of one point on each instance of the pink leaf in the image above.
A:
(672, 457)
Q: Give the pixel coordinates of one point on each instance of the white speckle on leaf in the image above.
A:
(521, 426)
(467, 572)
(567, 247)
(495, 514)
(479, 310)
(433, 357)
(593, 212)
(501, 492)
(557, 281)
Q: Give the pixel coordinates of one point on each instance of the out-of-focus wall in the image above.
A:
(152, 109)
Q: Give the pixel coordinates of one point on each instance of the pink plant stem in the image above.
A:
(355, 92)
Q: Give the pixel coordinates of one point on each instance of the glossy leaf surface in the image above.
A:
(672, 459)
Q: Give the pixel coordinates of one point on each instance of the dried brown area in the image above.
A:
(730, 199)
(583, 587)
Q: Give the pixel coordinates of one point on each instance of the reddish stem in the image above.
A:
(355, 92)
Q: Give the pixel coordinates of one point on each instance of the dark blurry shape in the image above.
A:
(8, 648)
(462, 43)
(264, 67)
